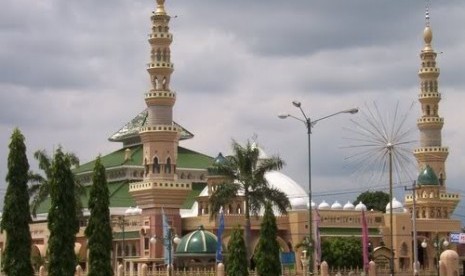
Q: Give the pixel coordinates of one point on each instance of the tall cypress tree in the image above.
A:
(16, 218)
(267, 256)
(62, 219)
(237, 256)
(99, 231)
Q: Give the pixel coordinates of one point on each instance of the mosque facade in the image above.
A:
(163, 179)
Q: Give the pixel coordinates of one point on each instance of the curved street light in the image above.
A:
(439, 245)
(309, 124)
(169, 239)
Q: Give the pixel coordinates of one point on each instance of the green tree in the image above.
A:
(237, 259)
(16, 217)
(267, 254)
(245, 173)
(374, 200)
(39, 188)
(99, 231)
(62, 219)
(342, 252)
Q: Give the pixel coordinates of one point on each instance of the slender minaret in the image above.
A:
(431, 152)
(160, 193)
(433, 200)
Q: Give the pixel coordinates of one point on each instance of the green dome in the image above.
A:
(197, 242)
(427, 177)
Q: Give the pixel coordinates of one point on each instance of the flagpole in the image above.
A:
(219, 234)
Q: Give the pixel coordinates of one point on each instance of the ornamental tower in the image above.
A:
(159, 193)
(433, 201)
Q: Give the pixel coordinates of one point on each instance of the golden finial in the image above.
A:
(160, 7)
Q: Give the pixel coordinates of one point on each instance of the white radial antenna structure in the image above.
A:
(380, 143)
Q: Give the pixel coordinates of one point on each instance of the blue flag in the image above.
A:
(219, 233)
(166, 229)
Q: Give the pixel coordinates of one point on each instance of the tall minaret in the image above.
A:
(433, 201)
(160, 192)
(431, 152)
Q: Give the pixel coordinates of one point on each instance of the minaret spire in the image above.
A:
(427, 14)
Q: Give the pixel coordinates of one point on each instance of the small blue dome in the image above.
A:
(219, 160)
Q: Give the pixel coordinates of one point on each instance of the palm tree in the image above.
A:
(39, 188)
(245, 172)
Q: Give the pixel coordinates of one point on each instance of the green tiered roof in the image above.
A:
(197, 188)
(115, 159)
(129, 133)
(187, 158)
(119, 190)
(119, 197)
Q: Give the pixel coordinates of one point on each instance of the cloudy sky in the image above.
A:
(73, 72)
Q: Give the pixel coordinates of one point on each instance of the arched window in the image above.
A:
(155, 82)
(168, 165)
(164, 55)
(428, 110)
(120, 250)
(158, 55)
(156, 166)
(146, 167)
(202, 211)
(404, 249)
(134, 250)
(164, 83)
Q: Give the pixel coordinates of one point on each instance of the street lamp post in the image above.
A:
(309, 124)
(169, 239)
(439, 245)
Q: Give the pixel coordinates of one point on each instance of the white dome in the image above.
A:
(336, 206)
(348, 206)
(323, 205)
(360, 207)
(285, 184)
(299, 203)
(397, 206)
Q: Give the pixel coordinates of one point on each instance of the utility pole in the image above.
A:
(414, 226)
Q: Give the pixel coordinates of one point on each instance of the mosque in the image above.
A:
(152, 175)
